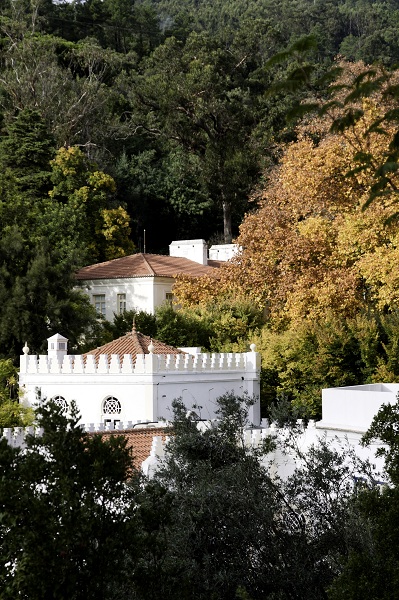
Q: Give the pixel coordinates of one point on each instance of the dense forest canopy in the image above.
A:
(181, 160)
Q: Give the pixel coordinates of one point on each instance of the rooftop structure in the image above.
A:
(145, 265)
(133, 343)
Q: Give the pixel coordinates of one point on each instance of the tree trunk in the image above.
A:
(228, 236)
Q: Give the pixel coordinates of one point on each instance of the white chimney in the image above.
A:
(223, 252)
(195, 250)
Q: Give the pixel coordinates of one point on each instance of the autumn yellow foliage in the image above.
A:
(78, 183)
(189, 291)
(310, 246)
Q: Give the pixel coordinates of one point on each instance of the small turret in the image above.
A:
(57, 346)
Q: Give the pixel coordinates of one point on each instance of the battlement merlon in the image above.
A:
(247, 362)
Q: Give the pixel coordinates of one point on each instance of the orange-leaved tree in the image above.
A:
(310, 247)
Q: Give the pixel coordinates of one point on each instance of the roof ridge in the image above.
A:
(105, 262)
(140, 340)
(151, 270)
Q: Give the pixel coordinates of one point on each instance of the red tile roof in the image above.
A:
(139, 440)
(146, 265)
(133, 343)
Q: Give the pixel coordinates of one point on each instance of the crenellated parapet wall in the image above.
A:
(124, 387)
(16, 436)
(144, 364)
(253, 437)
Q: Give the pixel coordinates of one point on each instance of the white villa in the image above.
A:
(135, 378)
(144, 281)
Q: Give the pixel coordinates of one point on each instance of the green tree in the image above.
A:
(41, 244)
(198, 97)
(226, 326)
(12, 414)
(371, 570)
(235, 532)
(67, 512)
(299, 362)
(101, 225)
(69, 84)
(26, 148)
(182, 329)
(123, 323)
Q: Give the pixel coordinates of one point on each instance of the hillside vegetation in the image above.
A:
(192, 119)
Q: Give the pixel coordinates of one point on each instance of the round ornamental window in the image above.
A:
(112, 406)
(61, 402)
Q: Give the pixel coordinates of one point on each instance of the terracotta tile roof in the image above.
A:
(216, 264)
(133, 343)
(146, 265)
(139, 440)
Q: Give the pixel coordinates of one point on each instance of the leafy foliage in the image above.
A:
(103, 226)
(310, 247)
(299, 362)
(236, 532)
(217, 328)
(373, 563)
(55, 215)
(197, 96)
(12, 414)
(329, 352)
(212, 523)
(125, 82)
(66, 512)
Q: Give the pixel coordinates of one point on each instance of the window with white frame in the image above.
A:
(169, 297)
(61, 402)
(99, 304)
(112, 406)
(121, 304)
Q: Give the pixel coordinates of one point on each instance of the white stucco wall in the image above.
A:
(142, 293)
(283, 461)
(146, 393)
(223, 252)
(195, 250)
(352, 408)
(135, 397)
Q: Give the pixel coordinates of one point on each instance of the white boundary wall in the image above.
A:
(280, 463)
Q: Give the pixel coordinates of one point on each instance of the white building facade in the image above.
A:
(142, 282)
(114, 296)
(113, 387)
(134, 380)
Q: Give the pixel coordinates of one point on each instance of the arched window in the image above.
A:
(61, 402)
(112, 406)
